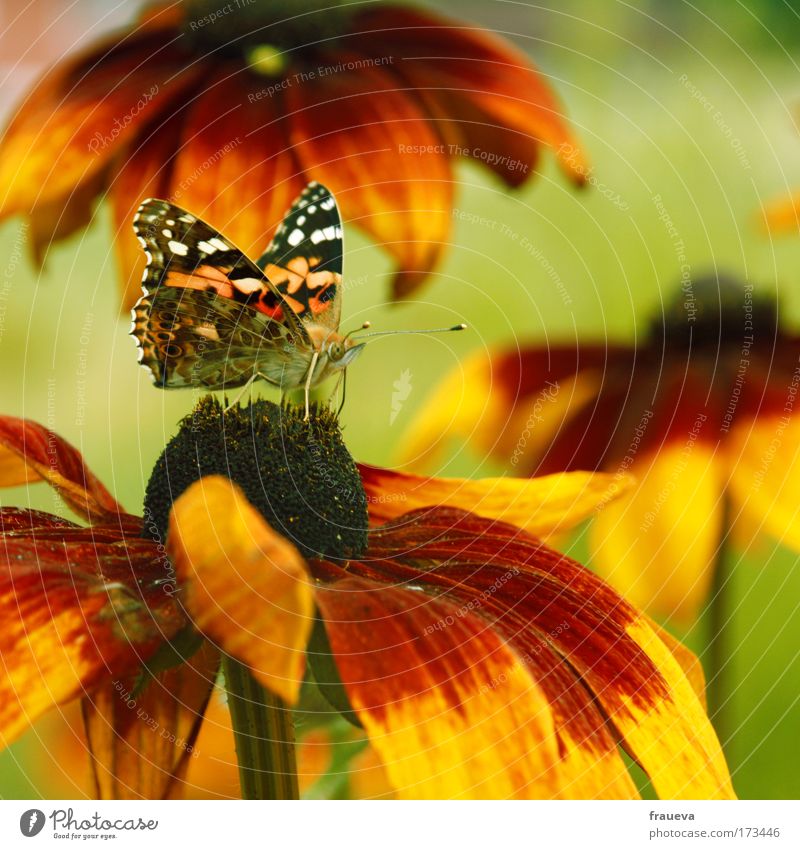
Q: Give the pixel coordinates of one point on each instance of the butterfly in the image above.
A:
(211, 317)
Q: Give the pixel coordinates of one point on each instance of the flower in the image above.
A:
(480, 662)
(702, 414)
(231, 115)
(57, 760)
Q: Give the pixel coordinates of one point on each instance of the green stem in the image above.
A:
(719, 643)
(264, 736)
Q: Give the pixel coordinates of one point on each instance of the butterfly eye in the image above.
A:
(336, 351)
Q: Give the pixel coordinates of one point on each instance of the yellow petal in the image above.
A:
(764, 458)
(244, 585)
(671, 736)
(688, 661)
(541, 506)
(657, 544)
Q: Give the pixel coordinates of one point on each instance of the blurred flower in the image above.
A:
(702, 414)
(232, 114)
(58, 759)
(479, 662)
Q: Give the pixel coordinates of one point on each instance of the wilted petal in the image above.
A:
(538, 598)
(243, 584)
(64, 630)
(658, 543)
(453, 715)
(235, 169)
(542, 506)
(29, 452)
(142, 733)
(488, 95)
(375, 149)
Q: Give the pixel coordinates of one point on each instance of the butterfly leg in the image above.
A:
(343, 381)
(250, 381)
(308, 382)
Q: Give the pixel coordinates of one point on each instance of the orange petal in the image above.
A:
(488, 96)
(764, 462)
(142, 737)
(368, 779)
(235, 168)
(455, 716)
(657, 544)
(541, 601)
(74, 122)
(29, 452)
(244, 585)
(57, 220)
(143, 168)
(65, 630)
(541, 506)
(376, 150)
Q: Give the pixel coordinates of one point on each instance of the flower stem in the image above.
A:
(719, 643)
(264, 736)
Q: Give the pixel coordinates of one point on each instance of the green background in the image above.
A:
(618, 67)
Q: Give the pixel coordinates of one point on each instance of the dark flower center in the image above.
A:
(298, 474)
(248, 28)
(715, 312)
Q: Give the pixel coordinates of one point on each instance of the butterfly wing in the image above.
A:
(208, 314)
(304, 259)
(188, 337)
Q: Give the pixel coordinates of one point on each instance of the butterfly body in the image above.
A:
(211, 317)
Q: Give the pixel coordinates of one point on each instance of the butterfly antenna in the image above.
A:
(397, 332)
(364, 326)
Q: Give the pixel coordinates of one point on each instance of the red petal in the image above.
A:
(80, 114)
(235, 168)
(142, 742)
(143, 167)
(376, 150)
(537, 599)
(66, 627)
(454, 716)
(28, 451)
(490, 100)
(514, 405)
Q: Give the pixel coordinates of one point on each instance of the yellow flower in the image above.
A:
(702, 414)
(480, 662)
(231, 115)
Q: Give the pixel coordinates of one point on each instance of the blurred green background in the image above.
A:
(637, 80)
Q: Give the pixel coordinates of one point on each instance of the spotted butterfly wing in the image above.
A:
(209, 316)
(304, 259)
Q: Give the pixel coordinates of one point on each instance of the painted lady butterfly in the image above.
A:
(213, 318)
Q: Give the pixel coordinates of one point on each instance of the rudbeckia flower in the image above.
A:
(232, 114)
(702, 414)
(480, 662)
